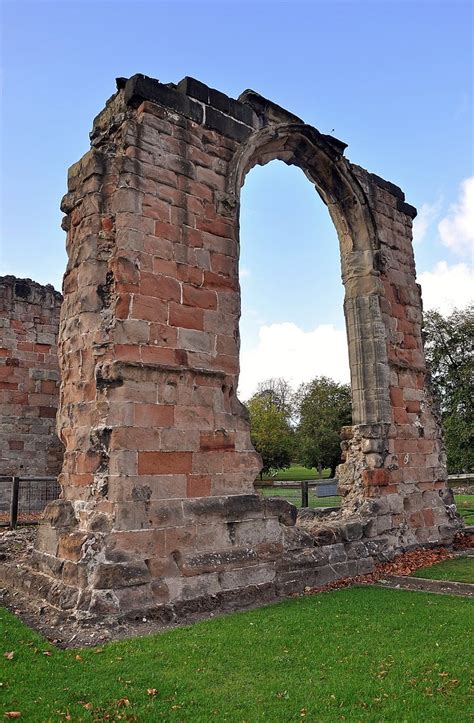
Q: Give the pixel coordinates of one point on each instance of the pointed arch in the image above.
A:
(320, 157)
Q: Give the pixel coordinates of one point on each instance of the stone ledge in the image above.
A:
(140, 87)
(387, 186)
(436, 586)
(237, 109)
(25, 290)
(196, 101)
(117, 371)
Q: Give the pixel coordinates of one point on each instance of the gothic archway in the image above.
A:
(322, 162)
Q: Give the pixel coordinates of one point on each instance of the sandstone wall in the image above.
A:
(29, 378)
(159, 510)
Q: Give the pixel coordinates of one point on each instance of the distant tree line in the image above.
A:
(449, 349)
(301, 426)
(304, 426)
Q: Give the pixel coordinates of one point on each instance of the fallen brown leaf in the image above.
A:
(9, 655)
(47, 653)
(13, 714)
(152, 691)
(403, 564)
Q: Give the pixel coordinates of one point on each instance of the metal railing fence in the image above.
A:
(23, 499)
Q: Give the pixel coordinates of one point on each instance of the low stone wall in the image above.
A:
(29, 378)
(264, 555)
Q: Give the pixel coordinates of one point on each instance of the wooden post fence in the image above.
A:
(14, 502)
(304, 493)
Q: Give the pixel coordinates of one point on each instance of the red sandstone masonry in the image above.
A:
(29, 378)
(159, 468)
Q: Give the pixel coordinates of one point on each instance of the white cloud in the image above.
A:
(428, 213)
(447, 287)
(285, 350)
(457, 228)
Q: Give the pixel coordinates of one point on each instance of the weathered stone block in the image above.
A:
(47, 540)
(255, 575)
(279, 507)
(352, 531)
(109, 575)
(188, 588)
(193, 564)
(336, 553)
(70, 545)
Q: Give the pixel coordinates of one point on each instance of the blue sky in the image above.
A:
(392, 78)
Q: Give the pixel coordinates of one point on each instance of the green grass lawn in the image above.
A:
(465, 505)
(354, 654)
(297, 472)
(294, 496)
(458, 569)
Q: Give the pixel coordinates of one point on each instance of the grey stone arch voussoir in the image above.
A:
(320, 157)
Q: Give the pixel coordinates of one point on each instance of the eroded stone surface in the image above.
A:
(159, 467)
(29, 378)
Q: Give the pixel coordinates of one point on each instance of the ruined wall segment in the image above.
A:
(159, 510)
(29, 378)
(405, 464)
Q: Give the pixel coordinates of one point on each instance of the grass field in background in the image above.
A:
(458, 569)
(465, 505)
(294, 496)
(357, 654)
(296, 473)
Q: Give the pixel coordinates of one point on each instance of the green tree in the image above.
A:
(324, 406)
(281, 394)
(271, 432)
(449, 350)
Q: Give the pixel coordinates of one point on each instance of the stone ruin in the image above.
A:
(158, 513)
(29, 378)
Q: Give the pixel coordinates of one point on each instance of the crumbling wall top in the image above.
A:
(25, 290)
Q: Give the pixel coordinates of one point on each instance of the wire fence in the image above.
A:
(323, 493)
(23, 499)
(307, 493)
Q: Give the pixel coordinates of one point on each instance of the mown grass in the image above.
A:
(465, 506)
(363, 653)
(294, 496)
(458, 569)
(296, 473)
(465, 503)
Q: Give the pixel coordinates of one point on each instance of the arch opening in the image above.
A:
(292, 322)
(320, 161)
(294, 369)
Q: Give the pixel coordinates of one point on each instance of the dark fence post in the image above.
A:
(14, 502)
(304, 493)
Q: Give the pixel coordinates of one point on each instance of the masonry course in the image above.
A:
(29, 378)
(158, 513)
